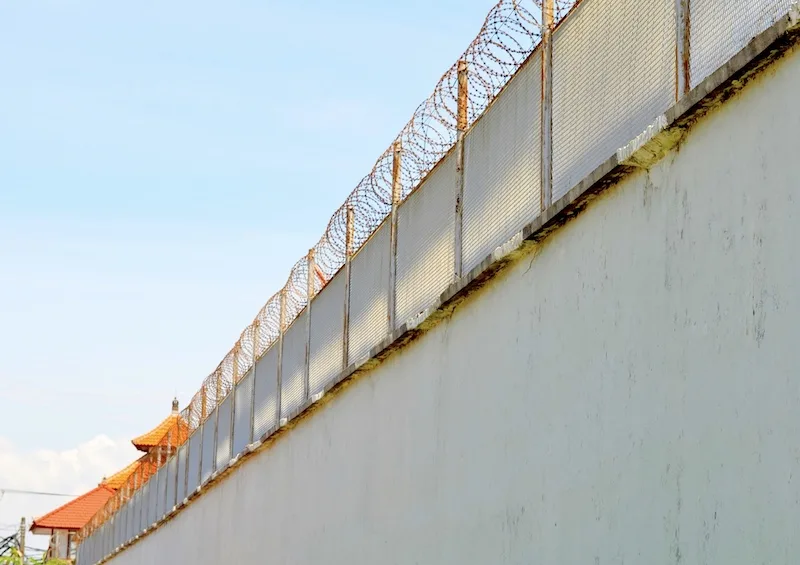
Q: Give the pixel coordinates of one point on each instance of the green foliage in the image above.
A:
(15, 559)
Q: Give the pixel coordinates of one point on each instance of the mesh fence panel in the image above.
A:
(502, 179)
(294, 362)
(195, 448)
(425, 241)
(720, 29)
(152, 503)
(107, 537)
(171, 477)
(327, 321)
(115, 522)
(143, 523)
(369, 294)
(224, 433)
(243, 413)
(265, 413)
(133, 520)
(207, 455)
(161, 496)
(613, 75)
(122, 516)
(182, 458)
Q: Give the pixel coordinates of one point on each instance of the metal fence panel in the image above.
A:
(172, 476)
(207, 454)
(425, 241)
(195, 448)
(294, 363)
(133, 520)
(224, 432)
(152, 504)
(327, 323)
(161, 495)
(265, 413)
(243, 413)
(613, 74)
(720, 29)
(369, 294)
(104, 539)
(143, 523)
(502, 160)
(182, 458)
(115, 522)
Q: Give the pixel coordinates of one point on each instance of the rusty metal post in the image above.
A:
(23, 529)
(280, 352)
(347, 274)
(461, 130)
(167, 505)
(217, 401)
(203, 407)
(310, 269)
(397, 155)
(683, 82)
(236, 351)
(256, 338)
(546, 168)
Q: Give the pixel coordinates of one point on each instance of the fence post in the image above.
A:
(397, 154)
(280, 351)
(461, 129)
(167, 505)
(218, 401)
(347, 271)
(256, 338)
(236, 350)
(546, 166)
(310, 270)
(683, 82)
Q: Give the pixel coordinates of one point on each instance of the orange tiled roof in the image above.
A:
(76, 513)
(117, 480)
(158, 435)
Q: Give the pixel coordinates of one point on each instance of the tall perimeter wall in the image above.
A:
(624, 390)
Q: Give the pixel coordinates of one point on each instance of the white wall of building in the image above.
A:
(630, 393)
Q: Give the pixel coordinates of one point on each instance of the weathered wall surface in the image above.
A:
(627, 394)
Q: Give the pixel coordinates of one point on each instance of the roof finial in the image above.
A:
(175, 405)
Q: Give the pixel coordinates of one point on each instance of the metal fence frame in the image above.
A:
(174, 471)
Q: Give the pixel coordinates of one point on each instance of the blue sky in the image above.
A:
(162, 166)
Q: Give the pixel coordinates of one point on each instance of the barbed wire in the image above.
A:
(510, 33)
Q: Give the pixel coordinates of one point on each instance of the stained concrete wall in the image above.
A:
(629, 393)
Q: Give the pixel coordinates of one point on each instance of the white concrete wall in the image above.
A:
(629, 395)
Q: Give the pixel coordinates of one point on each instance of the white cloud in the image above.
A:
(71, 471)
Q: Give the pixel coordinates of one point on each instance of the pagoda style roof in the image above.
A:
(160, 435)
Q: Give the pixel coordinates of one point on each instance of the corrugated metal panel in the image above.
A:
(502, 160)
(133, 521)
(195, 448)
(294, 361)
(327, 322)
(152, 503)
(265, 415)
(105, 537)
(207, 455)
(182, 458)
(369, 294)
(161, 496)
(243, 417)
(613, 75)
(115, 521)
(720, 29)
(224, 433)
(172, 476)
(425, 241)
(143, 523)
